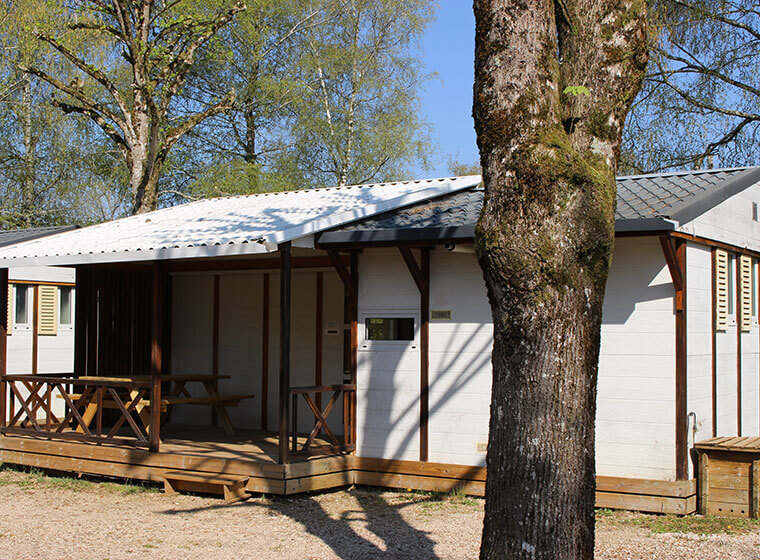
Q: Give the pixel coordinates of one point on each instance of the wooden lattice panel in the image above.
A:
(721, 290)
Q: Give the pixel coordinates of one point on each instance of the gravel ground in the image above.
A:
(64, 518)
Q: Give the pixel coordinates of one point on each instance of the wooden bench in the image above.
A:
(231, 487)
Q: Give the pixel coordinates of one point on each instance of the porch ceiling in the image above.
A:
(226, 226)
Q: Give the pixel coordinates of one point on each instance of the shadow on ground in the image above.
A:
(376, 512)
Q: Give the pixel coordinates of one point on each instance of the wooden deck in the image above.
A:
(253, 454)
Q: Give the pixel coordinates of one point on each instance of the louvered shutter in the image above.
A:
(721, 290)
(745, 293)
(10, 309)
(48, 310)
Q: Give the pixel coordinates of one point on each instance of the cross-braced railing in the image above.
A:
(72, 409)
(348, 392)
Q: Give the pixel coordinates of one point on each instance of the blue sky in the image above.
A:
(448, 47)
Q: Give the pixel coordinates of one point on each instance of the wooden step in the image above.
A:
(230, 486)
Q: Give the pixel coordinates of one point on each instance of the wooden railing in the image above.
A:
(348, 392)
(32, 402)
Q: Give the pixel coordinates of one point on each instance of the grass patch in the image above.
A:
(31, 477)
(695, 524)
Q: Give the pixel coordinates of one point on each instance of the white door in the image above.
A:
(388, 378)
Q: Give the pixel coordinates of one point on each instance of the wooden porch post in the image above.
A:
(3, 343)
(156, 347)
(353, 361)
(284, 454)
(421, 276)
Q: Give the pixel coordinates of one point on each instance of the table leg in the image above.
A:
(220, 410)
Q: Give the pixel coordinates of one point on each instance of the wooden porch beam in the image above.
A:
(421, 275)
(3, 343)
(672, 262)
(285, 304)
(340, 267)
(156, 348)
(251, 264)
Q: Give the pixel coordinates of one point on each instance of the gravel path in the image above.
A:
(64, 520)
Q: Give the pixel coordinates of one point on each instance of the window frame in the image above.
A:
(25, 325)
(70, 324)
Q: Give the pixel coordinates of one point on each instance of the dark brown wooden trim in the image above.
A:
(265, 354)
(285, 304)
(682, 452)
(737, 312)
(354, 348)
(222, 265)
(3, 343)
(718, 244)
(80, 323)
(156, 347)
(714, 343)
(421, 276)
(35, 329)
(215, 342)
(340, 267)
(424, 353)
(42, 283)
(671, 260)
(318, 337)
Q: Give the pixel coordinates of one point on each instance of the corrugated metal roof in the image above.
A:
(224, 226)
(12, 236)
(646, 199)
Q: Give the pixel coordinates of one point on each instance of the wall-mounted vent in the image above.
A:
(440, 314)
(481, 447)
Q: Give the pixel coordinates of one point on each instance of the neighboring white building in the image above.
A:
(40, 311)
(680, 355)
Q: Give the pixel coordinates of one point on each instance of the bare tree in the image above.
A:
(554, 81)
(158, 39)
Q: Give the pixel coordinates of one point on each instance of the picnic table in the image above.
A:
(178, 394)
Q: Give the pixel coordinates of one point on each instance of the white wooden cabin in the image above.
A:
(384, 300)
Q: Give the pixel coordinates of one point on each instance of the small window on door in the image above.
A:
(390, 328)
(64, 302)
(22, 313)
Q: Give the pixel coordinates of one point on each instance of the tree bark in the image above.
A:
(544, 241)
(27, 181)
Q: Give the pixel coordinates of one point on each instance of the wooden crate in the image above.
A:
(729, 476)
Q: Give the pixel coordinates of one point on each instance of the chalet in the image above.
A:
(40, 316)
(294, 341)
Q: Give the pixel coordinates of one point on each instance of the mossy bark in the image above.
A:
(544, 242)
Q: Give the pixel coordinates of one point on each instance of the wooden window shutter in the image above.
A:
(721, 290)
(9, 324)
(745, 293)
(48, 310)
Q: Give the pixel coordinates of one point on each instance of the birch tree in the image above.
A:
(130, 97)
(358, 115)
(554, 81)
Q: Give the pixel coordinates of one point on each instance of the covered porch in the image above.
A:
(187, 364)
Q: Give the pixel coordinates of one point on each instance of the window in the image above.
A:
(390, 328)
(21, 317)
(64, 316)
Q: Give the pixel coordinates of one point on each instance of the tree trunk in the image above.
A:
(544, 242)
(27, 181)
(143, 182)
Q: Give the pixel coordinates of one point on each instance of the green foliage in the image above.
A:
(576, 91)
(700, 105)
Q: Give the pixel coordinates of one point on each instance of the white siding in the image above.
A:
(635, 433)
(730, 221)
(460, 360)
(388, 384)
(699, 341)
(42, 274)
